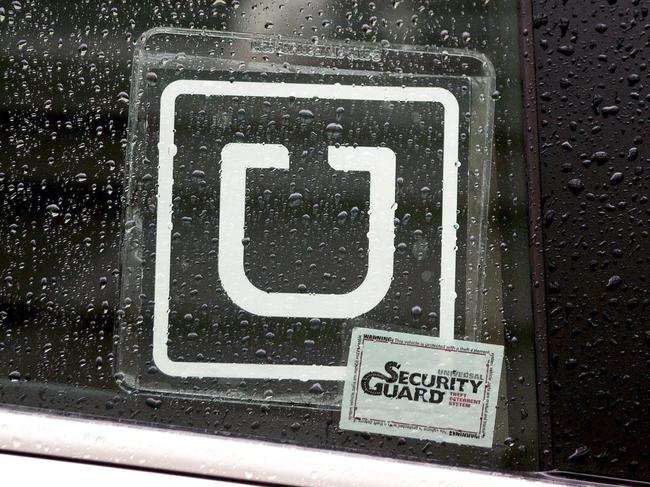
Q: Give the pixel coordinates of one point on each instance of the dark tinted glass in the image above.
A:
(67, 69)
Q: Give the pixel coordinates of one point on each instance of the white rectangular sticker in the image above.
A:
(421, 387)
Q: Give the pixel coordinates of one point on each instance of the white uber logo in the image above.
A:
(236, 158)
(379, 162)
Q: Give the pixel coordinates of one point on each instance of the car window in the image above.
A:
(148, 278)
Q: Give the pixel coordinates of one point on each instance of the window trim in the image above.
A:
(38, 433)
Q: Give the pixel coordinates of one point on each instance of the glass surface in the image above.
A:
(67, 70)
(306, 229)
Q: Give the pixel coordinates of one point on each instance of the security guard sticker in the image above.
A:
(421, 387)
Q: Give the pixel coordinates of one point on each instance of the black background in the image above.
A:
(279, 236)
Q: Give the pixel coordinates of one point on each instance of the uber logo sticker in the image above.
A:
(422, 387)
(218, 277)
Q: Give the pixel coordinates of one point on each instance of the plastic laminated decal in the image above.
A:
(281, 194)
(423, 387)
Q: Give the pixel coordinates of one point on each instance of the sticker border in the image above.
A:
(167, 150)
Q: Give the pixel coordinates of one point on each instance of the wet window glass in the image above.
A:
(314, 232)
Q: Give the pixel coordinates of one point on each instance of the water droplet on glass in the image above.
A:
(295, 200)
(152, 78)
(53, 209)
